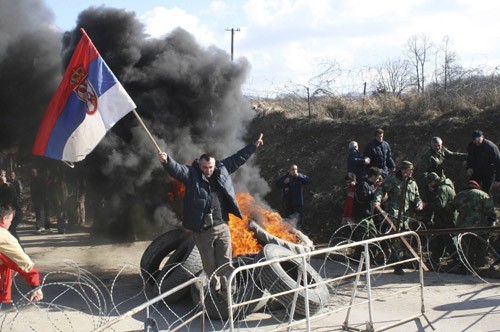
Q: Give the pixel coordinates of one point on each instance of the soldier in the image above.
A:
(397, 206)
(433, 160)
(475, 209)
(441, 215)
(393, 185)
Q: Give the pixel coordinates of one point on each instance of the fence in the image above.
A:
(367, 272)
(150, 324)
(364, 268)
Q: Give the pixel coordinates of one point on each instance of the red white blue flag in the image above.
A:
(87, 103)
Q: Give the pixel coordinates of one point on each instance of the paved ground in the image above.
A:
(89, 282)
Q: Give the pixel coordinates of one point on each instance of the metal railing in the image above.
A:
(367, 272)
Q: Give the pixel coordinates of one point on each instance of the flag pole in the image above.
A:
(146, 129)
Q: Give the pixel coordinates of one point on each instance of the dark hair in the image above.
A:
(350, 177)
(379, 131)
(207, 156)
(374, 171)
(5, 210)
(477, 133)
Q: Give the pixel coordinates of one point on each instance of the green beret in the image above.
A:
(432, 176)
(405, 164)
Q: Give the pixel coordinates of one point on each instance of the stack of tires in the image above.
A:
(172, 259)
(183, 262)
(285, 276)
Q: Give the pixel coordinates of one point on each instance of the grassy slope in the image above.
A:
(320, 147)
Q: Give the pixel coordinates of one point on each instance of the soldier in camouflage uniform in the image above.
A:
(441, 215)
(433, 159)
(442, 193)
(475, 209)
(393, 187)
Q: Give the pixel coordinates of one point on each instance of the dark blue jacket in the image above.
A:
(356, 164)
(197, 192)
(380, 155)
(293, 193)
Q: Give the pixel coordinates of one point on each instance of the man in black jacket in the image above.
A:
(208, 200)
(365, 194)
(483, 161)
(379, 153)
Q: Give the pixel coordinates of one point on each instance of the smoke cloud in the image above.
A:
(188, 96)
(30, 69)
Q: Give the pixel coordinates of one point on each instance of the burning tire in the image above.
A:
(282, 276)
(181, 266)
(156, 252)
(264, 237)
(246, 289)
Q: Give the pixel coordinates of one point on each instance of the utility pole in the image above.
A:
(232, 41)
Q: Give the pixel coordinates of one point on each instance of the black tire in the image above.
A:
(156, 252)
(281, 277)
(181, 266)
(265, 237)
(246, 290)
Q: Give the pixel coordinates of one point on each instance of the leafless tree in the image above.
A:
(447, 66)
(393, 76)
(418, 49)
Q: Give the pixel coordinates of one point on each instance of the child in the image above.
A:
(349, 191)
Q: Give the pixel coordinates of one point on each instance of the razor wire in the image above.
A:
(78, 300)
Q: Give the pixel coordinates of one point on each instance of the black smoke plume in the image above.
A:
(189, 96)
(30, 69)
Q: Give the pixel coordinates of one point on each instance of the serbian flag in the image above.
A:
(87, 103)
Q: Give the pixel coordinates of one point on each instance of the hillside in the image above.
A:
(320, 148)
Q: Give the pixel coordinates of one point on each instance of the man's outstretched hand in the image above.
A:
(259, 141)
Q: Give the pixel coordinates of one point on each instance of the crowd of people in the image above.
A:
(375, 183)
(52, 197)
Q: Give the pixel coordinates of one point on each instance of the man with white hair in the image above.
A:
(356, 163)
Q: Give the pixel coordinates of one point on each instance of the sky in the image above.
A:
(290, 42)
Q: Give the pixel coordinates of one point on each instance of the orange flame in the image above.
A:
(242, 239)
(176, 191)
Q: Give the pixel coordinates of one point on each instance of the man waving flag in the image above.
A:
(87, 103)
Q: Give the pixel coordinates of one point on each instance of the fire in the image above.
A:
(242, 239)
(176, 191)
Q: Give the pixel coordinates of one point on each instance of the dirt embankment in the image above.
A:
(320, 148)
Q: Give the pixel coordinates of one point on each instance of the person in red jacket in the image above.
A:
(13, 258)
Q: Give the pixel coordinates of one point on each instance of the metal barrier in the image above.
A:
(365, 261)
(149, 323)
